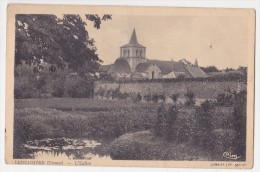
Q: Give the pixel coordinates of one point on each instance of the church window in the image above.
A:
(141, 53)
(128, 53)
(124, 53)
(136, 53)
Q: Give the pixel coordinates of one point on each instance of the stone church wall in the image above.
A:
(202, 89)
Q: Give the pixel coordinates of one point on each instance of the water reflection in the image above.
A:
(71, 149)
(70, 155)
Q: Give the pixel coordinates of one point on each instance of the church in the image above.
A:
(133, 64)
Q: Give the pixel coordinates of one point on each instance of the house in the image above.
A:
(133, 64)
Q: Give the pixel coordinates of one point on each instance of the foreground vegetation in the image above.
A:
(38, 123)
(79, 118)
(80, 104)
(144, 145)
(201, 133)
(210, 127)
(37, 119)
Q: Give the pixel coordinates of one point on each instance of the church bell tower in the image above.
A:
(133, 52)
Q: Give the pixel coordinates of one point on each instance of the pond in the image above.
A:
(65, 148)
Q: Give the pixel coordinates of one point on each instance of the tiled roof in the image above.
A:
(120, 66)
(142, 67)
(196, 72)
(168, 66)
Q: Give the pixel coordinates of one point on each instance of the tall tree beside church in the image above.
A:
(59, 42)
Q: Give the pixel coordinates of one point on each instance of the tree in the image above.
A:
(229, 69)
(170, 118)
(210, 69)
(162, 97)
(105, 76)
(204, 121)
(97, 20)
(175, 97)
(159, 125)
(148, 97)
(101, 92)
(138, 97)
(60, 42)
(190, 98)
(76, 86)
(243, 70)
(155, 98)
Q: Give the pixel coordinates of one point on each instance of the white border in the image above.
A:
(186, 3)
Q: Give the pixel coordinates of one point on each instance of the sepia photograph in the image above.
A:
(130, 86)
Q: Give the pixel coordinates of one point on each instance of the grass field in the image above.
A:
(41, 118)
(36, 119)
(102, 120)
(80, 104)
(62, 117)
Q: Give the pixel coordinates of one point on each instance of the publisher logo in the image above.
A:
(230, 155)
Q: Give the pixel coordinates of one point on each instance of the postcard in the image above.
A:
(132, 86)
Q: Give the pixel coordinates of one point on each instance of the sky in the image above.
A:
(212, 40)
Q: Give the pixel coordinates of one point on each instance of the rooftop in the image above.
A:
(133, 42)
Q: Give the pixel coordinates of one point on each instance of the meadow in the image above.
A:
(82, 117)
(78, 104)
(102, 120)
(79, 118)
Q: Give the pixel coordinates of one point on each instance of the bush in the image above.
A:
(57, 87)
(182, 134)
(143, 145)
(204, 125)
(159, 124)
(239, 123)
(124, 96)
(210, 69)
(138, 98)
(101, 92)
(76, 86)
(208, 106)
(190, 98)
(229, 76)
(126, 147)
(32, 86)
(223, 141)
(148, 97)
(40, 84)
(165, 122)
(108, 93)
(174, 97)
(155, 98)
(225, 99)
(170, 119)
(116, 93)
(22, 88)
(162, 97)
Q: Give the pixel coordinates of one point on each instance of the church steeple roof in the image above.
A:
(133, 41)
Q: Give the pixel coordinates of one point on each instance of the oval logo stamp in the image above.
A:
(230, 155)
